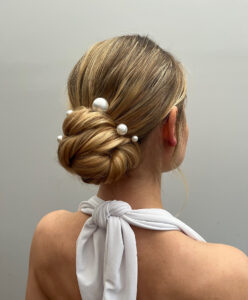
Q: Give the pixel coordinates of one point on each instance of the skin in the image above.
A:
(143, 188)
(181, 268)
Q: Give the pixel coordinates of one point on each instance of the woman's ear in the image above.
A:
(169, 127)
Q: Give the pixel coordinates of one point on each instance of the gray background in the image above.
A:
(40, 43)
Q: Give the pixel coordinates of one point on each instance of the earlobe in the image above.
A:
(173, 143)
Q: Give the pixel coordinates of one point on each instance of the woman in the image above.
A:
(125, 127)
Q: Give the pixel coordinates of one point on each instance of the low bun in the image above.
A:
(141, 83)
(92, 148)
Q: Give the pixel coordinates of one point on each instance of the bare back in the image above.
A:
(169, 262)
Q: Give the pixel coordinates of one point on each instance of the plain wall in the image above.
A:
(40, 43)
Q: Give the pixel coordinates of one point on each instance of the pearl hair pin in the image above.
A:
(121, 129)
(60, 137)
(68, 112)
(101, 104)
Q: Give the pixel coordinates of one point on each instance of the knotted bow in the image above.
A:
(106, 253)
(104, 210)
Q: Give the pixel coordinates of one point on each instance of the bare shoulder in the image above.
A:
(199, 270)
(51, 218)
(229, 266)
(181, 268)
(59, 226)
(53, 252)
(48, 233)
(56, 234)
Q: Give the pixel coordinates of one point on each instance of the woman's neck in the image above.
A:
(138, 191)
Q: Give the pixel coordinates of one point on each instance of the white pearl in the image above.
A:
(68, 112)
(59, 138)
(100, 104)
(134, 138)
(122, 129)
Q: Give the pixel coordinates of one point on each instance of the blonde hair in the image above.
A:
(141, 83)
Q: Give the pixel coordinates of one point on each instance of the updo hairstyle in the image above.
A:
(141, 83)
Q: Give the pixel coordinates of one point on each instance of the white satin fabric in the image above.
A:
(106, 253)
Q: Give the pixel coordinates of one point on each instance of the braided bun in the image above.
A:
(92, 149)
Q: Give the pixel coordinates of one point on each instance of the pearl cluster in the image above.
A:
(101, 104)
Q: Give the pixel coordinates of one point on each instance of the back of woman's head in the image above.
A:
(141, 83)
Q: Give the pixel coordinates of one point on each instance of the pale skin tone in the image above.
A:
(181, 268)
(142, 190)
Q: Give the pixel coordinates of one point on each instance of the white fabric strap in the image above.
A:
(106, 252)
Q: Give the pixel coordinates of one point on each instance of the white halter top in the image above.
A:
(106, 253)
